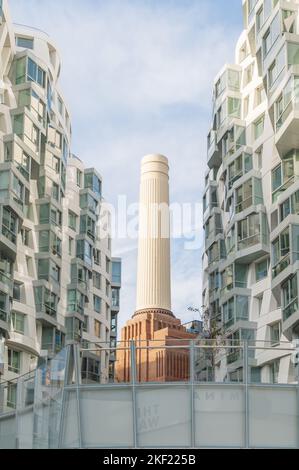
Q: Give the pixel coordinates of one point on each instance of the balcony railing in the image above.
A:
(48, 309)
(281, 265)
(283, 188)
(248, 202)
(75, 307)
(290, 309)
(11, 236)
(249, 242)
(235, 284)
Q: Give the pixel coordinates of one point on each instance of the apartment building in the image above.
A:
(55, 265)
(251, 210)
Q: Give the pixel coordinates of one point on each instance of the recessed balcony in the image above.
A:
(214, 154)
(290, 316)
(287, 123)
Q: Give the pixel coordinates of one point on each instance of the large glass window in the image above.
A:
(45, 301)
(35, 73)
(261, 270)
(275, 333)
(115, 297)
(276, 68)
(259, 127)
(18, 321)
(97, 302)
(14, 361)
(116, 272)
(73, 220)
(281, 252)
(272, 35)
(9, 225)
(87, 226)
(290, 297)
(84, 251)
(76, 301)
(26, 43)
(249, 231)
(91, 181)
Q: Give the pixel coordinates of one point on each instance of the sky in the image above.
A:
(137, 77)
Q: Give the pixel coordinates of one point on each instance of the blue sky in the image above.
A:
(137, 76)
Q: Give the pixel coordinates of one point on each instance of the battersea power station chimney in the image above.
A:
(153, 276)
(153, 327)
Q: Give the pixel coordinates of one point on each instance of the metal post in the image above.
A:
(78, 382)
(19, 400)
(246, 385)
(192, 373)
(133, 383)
(64, 394)
(297, 358)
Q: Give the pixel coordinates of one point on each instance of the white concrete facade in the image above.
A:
(251, 213)
(55, 268)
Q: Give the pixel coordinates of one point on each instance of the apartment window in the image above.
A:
(248, 74)
(283, 176)
(290, 297)
(274, 371)
(115, 297)
(17, 291)
(259, 95)
(259, 19)
(73, 220)
(97, 256)
(25, 236)
(21, 70)
(116, 272)
(84, 251)
(9, 225)
(18, 322)
(12, 395)
(108, 263)
(271, 35)
(88, 202)
(26, 43)
(281, 252)
(88, 226)
(14, 361)
(97, 280)
(71, 246)
(259, 127)
(85, 324)
(75, 301)
(79, 178)
(97, 303)
(261, 270)
(249, 231)
(55, 192)
(35, 73)
(275, 334)
(48, 270)
(107, 288)
(276, 68)
(91, 181)
(97, 329)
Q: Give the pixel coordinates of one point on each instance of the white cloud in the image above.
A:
(137, 76)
